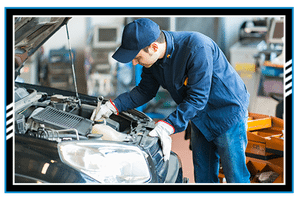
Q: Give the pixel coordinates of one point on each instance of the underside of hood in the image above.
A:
(31, 33)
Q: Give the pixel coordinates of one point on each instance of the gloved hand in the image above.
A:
(163, 130)
(104, 110)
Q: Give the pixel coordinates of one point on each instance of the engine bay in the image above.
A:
(59, 117)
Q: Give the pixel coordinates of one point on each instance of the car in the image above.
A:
(56, 142)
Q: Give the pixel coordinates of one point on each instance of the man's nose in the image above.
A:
(134, 62)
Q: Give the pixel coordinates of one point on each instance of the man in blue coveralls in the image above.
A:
(208, 91)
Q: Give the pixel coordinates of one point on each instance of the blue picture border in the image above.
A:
(124, 193)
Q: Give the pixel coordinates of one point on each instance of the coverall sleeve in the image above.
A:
(139, 95)
(199, 73)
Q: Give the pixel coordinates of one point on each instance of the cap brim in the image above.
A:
(124, 56)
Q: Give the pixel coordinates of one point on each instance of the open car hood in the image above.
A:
(31, 33)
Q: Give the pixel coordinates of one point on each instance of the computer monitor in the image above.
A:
(276, 32)
(107, 36)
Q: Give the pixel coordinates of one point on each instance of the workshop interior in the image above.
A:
(253, 45)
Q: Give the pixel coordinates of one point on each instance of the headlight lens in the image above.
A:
(106, 162)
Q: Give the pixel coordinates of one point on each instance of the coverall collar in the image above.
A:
(169, 49)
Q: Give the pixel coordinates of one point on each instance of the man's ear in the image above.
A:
(154, 46)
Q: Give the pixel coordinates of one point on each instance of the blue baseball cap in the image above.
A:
(136, 36)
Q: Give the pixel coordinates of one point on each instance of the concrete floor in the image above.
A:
(181, 147)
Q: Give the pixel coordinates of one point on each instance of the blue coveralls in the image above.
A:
(214, 98)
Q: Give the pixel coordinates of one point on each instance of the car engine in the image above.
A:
(60, 118)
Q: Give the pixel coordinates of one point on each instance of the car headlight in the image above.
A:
(106, 162)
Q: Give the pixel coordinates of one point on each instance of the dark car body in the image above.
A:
(55, 140)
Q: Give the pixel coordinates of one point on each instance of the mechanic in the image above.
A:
(208, 91)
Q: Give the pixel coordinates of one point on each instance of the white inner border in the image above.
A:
(172, 27)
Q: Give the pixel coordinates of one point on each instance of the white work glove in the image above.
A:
(163, 130)
(104, 110)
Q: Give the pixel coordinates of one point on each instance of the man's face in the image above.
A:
(146, 59)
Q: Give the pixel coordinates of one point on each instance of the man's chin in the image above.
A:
(147, 65)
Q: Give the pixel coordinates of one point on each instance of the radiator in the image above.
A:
(58, 119)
